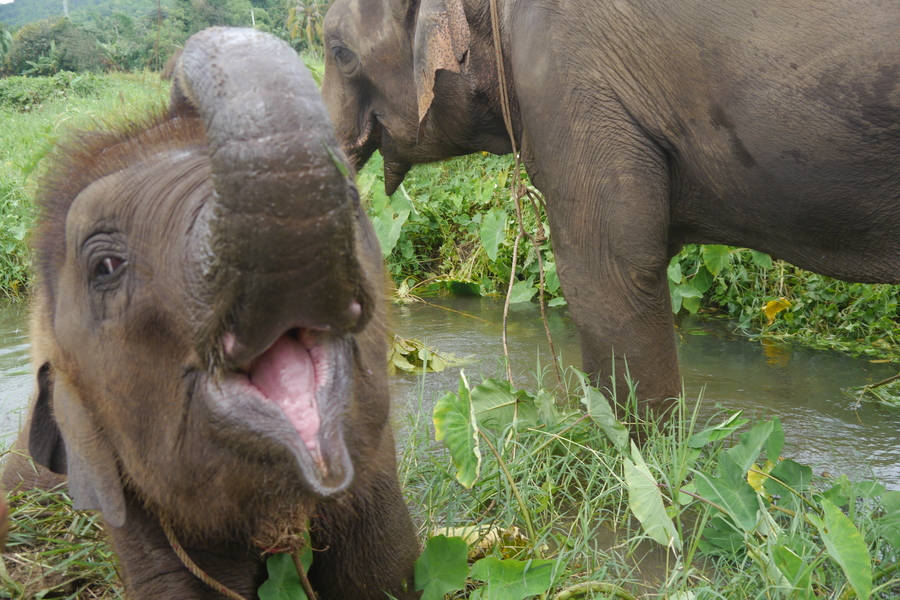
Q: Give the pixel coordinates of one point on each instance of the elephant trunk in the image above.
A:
(277, 240)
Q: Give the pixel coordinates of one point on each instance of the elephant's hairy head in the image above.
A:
(288, 420)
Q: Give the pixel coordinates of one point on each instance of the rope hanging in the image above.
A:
(518, 191)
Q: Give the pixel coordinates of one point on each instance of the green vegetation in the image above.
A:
(724, 515)
(56, 552)
(35, 111)
(527, 498)
(123, 35)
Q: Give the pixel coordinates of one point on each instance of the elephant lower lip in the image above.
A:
(294, 395)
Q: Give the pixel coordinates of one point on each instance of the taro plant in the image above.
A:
(734, 516)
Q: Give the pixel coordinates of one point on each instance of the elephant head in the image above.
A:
(390, 64)
(209, 324)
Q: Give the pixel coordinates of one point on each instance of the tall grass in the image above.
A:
(34, 116)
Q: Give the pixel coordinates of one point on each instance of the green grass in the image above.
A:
(31, 126)
(54, 551)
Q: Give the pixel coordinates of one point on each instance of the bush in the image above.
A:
(51, 45)
(24, 93)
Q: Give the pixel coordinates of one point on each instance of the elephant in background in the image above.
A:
(647, 125)
(209, 334)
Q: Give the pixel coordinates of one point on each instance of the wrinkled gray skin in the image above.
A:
(209, 335)
(647, 124)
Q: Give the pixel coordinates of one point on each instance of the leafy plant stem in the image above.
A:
(580, 589)
(885, 571)
(806, 501)
(559, 435)
(301, 571)
(872, 386)
(791, 513)
(536, 242)
(523, 508)
(512, 281)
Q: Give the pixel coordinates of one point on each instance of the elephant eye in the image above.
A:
(345, 59)
(107, 267)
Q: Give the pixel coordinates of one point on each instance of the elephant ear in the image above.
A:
(94, 479)
(45, 442)
(441, 42)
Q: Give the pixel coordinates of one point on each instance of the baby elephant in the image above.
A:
(209, 336)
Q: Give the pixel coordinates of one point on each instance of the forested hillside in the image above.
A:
(20, 12)
(131, 35)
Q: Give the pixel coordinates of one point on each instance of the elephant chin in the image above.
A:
(296, 395)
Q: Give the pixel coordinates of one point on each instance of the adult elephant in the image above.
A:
(647, 124)
(209, 336)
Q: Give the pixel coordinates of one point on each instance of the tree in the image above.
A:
(54, 44)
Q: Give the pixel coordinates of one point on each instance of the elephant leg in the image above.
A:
(366, 543)
(610, 236)
(151, 569)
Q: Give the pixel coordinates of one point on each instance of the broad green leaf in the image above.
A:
(645, 501)
(512, 579)
(718, 432)
(846, 546)
(692, 305)
(793, 474)
(493, 229)
(735, 496)
(685, 295)
(716, 258)
(747, 451)
(775, 441)
(702, 280)
(795, 571)
(557, 302)
(762, 259)
(496, 404)
(868, 489)
(602, 414)
(284, 582)
(839, 493)
(888, 524)
(674, 271)
(551, 278)
(454, 422)
(388, 228)
(442, 568)
(720, 534)
(522, 291)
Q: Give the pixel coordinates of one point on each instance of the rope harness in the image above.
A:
(519, 190)
(275, 537)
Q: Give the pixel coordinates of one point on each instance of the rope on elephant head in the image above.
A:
(282, 534)
(191, 566)
(519, 189)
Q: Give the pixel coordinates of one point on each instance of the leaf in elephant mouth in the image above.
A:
(289, 374)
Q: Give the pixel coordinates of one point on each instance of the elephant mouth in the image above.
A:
(296, 394)
(360, 150)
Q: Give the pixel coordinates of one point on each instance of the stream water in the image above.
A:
(803, 387)
(823, 429)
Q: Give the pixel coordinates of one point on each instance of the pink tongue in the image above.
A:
(286, 376)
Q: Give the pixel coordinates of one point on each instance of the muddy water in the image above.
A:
(15, 370)
(803, 387)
